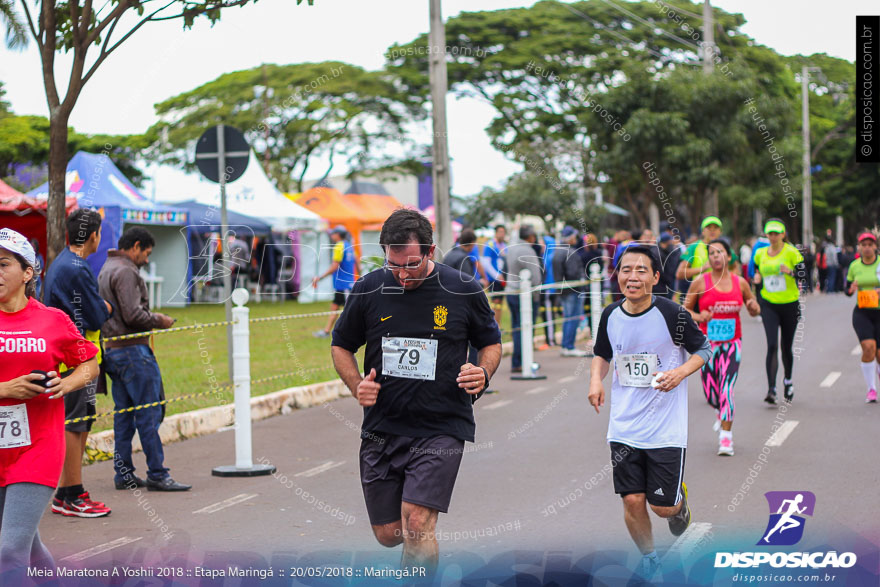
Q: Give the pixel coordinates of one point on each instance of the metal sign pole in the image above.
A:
(224, 241)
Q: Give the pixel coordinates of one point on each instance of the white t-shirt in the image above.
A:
(661, 337)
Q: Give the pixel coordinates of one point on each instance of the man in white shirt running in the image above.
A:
(649, 338)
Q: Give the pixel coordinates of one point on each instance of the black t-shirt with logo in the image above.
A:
(447, 310)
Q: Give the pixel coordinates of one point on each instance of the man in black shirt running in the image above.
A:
(416, 318)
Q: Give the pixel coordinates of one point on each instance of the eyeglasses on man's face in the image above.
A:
(408, 267)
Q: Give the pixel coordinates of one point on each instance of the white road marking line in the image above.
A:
(857, 350)
(568, 379)
(80, 556)
(830, 379)
(319, 469)
(782, 433)
(688, 542)
(221, 505)
(498, 404)
(537, 390)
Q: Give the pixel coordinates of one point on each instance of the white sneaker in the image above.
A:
(725, 447)
(648, 567)
(573, 353)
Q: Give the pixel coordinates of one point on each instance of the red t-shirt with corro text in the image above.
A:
(35, 338)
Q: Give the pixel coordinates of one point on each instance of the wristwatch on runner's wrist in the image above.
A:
(486, 375)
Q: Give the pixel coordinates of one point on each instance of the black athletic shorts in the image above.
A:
(339, 296)
(497, 287)
(656, 472)
(79, 404)
(400, 468)
(866, 322)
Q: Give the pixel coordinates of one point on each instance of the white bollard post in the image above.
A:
(241, 357)
(595, 301)
(526, 328)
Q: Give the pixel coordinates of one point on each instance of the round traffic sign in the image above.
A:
(235, 148)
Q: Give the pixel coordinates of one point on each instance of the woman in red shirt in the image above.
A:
(32, 338)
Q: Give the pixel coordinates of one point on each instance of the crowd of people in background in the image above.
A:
(568, 256)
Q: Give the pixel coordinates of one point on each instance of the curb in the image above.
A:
(209, 420)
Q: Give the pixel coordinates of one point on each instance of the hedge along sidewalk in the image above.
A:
(209, 420)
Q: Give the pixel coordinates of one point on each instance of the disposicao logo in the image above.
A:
(786, 525)
(785, 528)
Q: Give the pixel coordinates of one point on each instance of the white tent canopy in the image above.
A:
(252, 194)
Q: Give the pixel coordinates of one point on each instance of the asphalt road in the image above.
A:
(534, 491)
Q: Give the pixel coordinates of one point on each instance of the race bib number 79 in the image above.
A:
(14, 430)
(412, 358)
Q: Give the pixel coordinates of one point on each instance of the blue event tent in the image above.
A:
(96, 182)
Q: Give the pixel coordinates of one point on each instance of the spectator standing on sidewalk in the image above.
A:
(832, 264)
(567, 266)
(131, 363)
(522, 255)
(72, 288)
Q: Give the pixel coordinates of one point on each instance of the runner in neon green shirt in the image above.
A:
(695, 261)
(863, 278)
(774, 267)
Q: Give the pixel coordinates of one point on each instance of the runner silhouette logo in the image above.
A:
(787, 511)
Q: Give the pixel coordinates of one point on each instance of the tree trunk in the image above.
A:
(55, 212)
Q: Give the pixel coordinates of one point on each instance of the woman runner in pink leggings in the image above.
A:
(715, 302)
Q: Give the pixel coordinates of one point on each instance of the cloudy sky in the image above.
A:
(161, 61)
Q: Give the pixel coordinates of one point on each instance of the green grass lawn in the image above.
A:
(189, 359)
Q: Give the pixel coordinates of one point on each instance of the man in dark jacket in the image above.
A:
(567, 266)
(131, 363)
(72, 288)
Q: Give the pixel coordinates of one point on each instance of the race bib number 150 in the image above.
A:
(636, 370)
(412, 358)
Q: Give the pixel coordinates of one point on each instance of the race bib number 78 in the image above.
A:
(14, 430)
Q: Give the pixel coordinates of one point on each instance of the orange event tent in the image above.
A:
(356, 212)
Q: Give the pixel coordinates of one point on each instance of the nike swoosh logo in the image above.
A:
(384, 319)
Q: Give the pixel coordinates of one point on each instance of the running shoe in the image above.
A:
(771, 397)
(573, 353)
(320, 334)
(648, 567)
(57, 506)
(88, 499)
(680, 521)
(78, 508)
(725, 447)
(871, 398)
(789, 392)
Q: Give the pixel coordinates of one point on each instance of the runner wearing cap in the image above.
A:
(863, 279)
(416, 318)
(649, 338)
(695, 261)
(344, 268)
(32, 338)
(715, 303)
(780, 309)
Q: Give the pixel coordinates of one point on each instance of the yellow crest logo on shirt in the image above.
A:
(440, 313)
